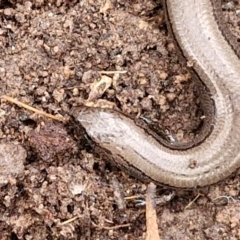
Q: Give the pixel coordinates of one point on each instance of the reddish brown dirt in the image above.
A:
(51, 56)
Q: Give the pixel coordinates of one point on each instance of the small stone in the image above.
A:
(12, 158)
(75, 92)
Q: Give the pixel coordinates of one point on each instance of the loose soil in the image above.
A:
(53, 55)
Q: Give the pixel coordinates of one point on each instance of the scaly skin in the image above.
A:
(198, 28)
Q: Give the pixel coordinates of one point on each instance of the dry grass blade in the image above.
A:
(20, 104)
(151, 217)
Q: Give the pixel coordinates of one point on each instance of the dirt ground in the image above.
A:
(53, 55)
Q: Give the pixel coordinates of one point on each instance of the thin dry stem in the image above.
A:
(12, 100)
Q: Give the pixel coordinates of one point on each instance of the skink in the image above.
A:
(201, 34)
